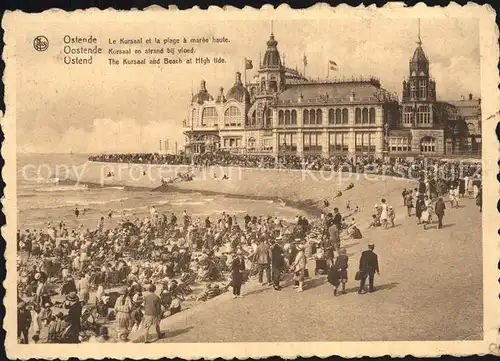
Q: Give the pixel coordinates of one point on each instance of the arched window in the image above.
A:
(413, 89)
(254, 119)
(427, 144)
(232, 116)
(312, 117)
(345, 116)
(319, 116)
(263, 85)
(305, 116)
(294, 117)
(273, 85)
(193, 117)
(269, 118)
(331, 116)
(358, 116)
(365, 115)
(422, 91)
(287, 117)
(372, 115)
(338, 116)
(281, 116)
(209, 116)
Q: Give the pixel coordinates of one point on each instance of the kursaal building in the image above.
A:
(280, 111)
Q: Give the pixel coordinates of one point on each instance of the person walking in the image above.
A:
(334, 234)
(277, 262)
(23, 322)
(439, 210)
(368, 265)
(237, 268)
(74, 307)
(123, 309)
(338, 272)
(299, 267)
(383, 213)
(262, 258)
(152, 313)
(409, 202)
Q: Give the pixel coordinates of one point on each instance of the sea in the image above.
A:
(44, 196)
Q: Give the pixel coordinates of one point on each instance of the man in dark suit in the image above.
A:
(368, 265)
(439, 210)
(337, 218)
(277, 262)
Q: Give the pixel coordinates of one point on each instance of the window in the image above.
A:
(331, 116)
(423, 114)
(372, 115)
(269, 118)
(263, 85)
(345, 116)
(312, 117)
(338, 116)
(294, 117)
(365, 142)
(232, 116)
(338, 142)
(319, 117)
(358, 116)
(400, 144)
(287, 117)
(273, 85)
(280, 117)
(408, 115)
(365, 116)
(422, 89)
(427, 144)
(312, 142)
(209, 117)
(193, 116)
(251, 143)
(305, 116)
(287, 142)
(413, 89)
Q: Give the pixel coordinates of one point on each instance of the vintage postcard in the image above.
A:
(251, 182)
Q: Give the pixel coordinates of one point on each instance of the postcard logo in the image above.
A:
(41, 43)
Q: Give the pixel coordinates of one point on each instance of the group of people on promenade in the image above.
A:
(395, 167)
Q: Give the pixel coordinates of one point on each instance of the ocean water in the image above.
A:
(43, 196)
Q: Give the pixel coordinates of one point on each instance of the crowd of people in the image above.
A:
(74, 284)
(396, 167)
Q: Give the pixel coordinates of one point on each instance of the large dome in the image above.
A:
(202, 95)
(238, 92)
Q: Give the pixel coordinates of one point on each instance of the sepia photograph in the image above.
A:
(208, 178)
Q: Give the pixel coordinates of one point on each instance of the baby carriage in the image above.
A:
(321, 266)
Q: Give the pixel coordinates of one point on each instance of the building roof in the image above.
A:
(419, 55)
(467, 108)
(202, 95)
(271, 56)
(238, 92)
(325, 92)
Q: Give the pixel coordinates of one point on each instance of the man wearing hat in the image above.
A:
(277, 262)
(262, 258)
(237, 268)
(368, 265)
(299, 267)
(74, 317)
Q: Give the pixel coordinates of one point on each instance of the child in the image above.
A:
(425, 217)
(375, 221)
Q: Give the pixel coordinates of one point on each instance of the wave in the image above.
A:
(188, 203)
(63, 188)
(116, 187)
(96, 202)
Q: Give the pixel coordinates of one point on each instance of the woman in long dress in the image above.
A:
(338, 272)
(123, 309)
(383, 214)
(299, 267)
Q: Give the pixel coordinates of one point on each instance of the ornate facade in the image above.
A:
(281, 112)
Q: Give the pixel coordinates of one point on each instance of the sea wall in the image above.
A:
(301, 188)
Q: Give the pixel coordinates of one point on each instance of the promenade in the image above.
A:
(430, 288)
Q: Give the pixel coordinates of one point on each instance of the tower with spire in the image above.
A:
(419, 91)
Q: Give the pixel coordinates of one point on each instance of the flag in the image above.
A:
(248, 64)
(332, 65)
(305, 60)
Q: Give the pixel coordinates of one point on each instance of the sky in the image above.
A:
(102, 108)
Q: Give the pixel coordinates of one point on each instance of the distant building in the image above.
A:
(280, 111)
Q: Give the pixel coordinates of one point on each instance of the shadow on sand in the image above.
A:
(167, 335)
(387, 286)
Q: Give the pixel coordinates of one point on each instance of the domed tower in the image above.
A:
(271, 72)
(419, 91)
(203, 95)
(238, 92)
